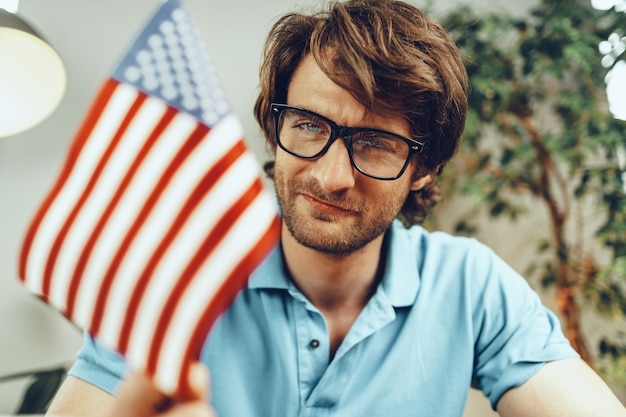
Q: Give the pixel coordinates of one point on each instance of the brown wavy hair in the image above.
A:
(393, 59)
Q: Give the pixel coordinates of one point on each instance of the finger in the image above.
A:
(139, 397)
(199, 381)
(197, 404)
(196, 408)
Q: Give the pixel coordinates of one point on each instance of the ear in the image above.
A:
(421, 182)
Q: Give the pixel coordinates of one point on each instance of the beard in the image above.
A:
(334, 234)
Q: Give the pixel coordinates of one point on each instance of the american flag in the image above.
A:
(158, 214)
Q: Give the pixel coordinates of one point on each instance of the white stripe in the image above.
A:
(138, 191)
(83, 168)
(208, 151)
(242, 237)
(230, 187)
(120, 161)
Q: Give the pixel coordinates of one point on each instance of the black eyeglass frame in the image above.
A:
(339, 131)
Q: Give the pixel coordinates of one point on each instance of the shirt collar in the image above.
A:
(270, 274)
(400, 281)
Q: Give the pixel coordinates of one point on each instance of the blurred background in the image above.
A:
(90, 36)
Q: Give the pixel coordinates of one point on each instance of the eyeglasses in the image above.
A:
(373, 152)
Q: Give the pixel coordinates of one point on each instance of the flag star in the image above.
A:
(167, 27)
(210, 117)
(171, 40)
(159, 55)
(163, 66)
(175, 54)
(183, 89)
(179, 66)
(132, 74)
(185, 84)
(150, 83)
(143, 57)
(169, 92)
(184, 26)
(147, 71)
(167, 80)
(155, 41)
(178, 15)
(190, 103)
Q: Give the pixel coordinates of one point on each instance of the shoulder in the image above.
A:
(457, 266)
(420, 236)
(440, 247)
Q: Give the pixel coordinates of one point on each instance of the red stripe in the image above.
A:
(222, 300)
(187, 148)
(211, 241)
(100, 102)
(75, 282)
(195, 197)
(56, 246)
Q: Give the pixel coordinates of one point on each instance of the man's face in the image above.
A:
(326, 204)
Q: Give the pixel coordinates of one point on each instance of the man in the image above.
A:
(354, 314)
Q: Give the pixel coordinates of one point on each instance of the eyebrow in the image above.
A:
(365, 112)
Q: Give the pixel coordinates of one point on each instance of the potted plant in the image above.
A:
(539, 136)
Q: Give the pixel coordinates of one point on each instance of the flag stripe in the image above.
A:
(218, 141)
(232, 184)
(84, 166)
(203, 187)
(90, 121)
(56, 246)
(110, 210)
(222, 299)
(193, 140)
(103, 189)
(204, 251)
(78, 272)
(158, 215)
(138, 191)
(202, 291)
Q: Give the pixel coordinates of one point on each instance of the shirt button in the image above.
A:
(314, 344)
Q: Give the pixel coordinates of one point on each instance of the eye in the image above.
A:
(305, 124)
(309, 127)
(370, 140)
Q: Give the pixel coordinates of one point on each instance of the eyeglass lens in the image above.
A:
(374, 152)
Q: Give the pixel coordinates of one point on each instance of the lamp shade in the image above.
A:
(32, 76)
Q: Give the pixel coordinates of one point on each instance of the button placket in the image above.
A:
(311, 337)
(377, 314)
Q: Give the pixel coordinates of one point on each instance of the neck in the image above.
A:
(333, 282)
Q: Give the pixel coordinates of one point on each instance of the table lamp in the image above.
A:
(32, 75)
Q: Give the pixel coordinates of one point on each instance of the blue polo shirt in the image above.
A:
(448, 314)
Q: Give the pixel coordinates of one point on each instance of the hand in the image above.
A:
(140, 398)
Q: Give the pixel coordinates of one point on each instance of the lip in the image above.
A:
(325, 206)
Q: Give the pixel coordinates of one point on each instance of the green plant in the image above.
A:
(539, 127)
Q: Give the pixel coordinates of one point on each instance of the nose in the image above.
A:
(333, 170)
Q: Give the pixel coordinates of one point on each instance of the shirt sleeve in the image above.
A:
(515, 334)
(99, 366)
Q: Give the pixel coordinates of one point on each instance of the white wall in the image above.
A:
(90, 36)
